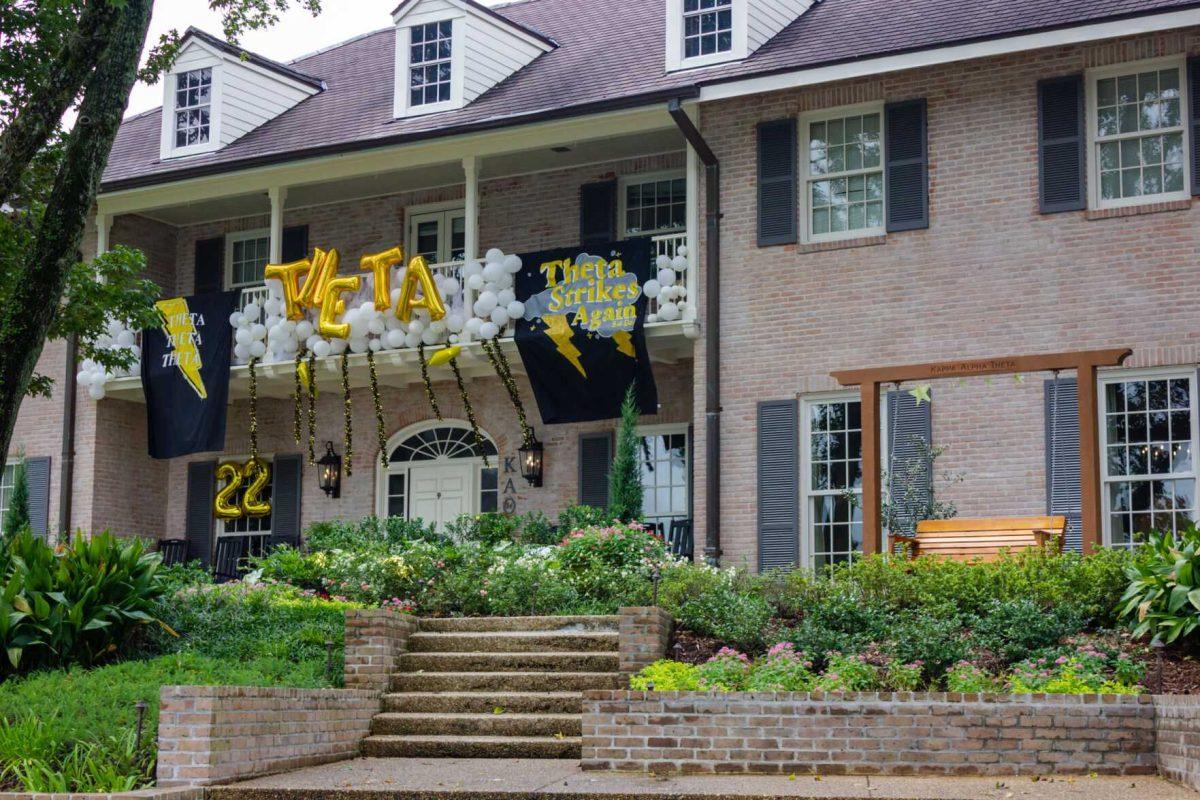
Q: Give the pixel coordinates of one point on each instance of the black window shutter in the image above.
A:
(1061, 141)
(598, 212)
(778, 484)
(210, 265)
(198, 514)
(1193, 76)
(37, 476)
(777, 193)
(909, 468)
(595, 459)
(295, 243)
(286, 491)
(907, 174)
(1063, 494)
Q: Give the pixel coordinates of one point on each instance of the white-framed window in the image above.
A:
(437, 232)
(1138, 134)
(8, 479)
(653, 204)
(257, 530)
(831, 479)
(436, 473)
(430, 67)
(247, 254)
(707, 27)
(193, 107)
(1148, 456)
(843, 185)
(665, 478)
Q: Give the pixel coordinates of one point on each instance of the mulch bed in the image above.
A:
(692, 648)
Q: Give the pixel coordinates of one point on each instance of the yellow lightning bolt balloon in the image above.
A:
(559, 331)
(181, 334)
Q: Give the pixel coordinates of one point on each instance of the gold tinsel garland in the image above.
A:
(380, 431)
(470, 412)
(298, 407)
(500, 363)
(253, 410)
(312, 407)
(429, 393)
(348, 462)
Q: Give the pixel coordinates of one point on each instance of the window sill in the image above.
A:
(841, 244)
(1136, 211)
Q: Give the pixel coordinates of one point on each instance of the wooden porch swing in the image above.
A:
(972, 539)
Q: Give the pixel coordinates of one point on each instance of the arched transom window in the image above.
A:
(436, 473)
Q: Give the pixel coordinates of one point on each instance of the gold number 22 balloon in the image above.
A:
(224, 504)
(257, 473)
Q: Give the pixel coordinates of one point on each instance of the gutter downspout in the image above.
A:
(67, 476)
(712, 327)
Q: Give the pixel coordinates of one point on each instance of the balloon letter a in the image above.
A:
(418, 274)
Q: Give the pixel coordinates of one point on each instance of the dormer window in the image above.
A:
(430, 68)
(193, 107)
(707, 27)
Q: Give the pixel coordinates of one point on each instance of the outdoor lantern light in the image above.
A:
(329, 472)
(532, 461)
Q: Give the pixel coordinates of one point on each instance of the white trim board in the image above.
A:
(945, 55)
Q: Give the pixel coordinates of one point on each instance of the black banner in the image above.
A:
(185, 374)
(583, 335)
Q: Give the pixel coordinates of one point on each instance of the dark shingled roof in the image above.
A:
(597, 64)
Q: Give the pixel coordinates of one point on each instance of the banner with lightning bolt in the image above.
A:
(185, 374)
(582, 338)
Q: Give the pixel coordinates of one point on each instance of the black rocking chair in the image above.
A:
(228, 564)
(679, 538)
(172, 551)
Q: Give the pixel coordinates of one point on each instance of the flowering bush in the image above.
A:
(1090, 668)
(727, 671)
(782, 670)
(972, 679)
(600, 561)
(852, 673)
(902, 677)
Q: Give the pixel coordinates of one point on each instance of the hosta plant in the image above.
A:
(1163, 597)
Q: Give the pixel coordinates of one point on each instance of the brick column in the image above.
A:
(644, 635)
(374, 639)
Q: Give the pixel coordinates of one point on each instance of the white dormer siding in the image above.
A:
(485, 49)
(701, 33)
(241, 94)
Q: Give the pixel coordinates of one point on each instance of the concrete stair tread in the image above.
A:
(451, 738)
(475, 715)
(574, 624)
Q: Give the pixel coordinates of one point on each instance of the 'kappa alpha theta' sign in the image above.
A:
(185, 374)
(582, 338)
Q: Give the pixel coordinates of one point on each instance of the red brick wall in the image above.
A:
(1177, 724)
(868, 733)
(990, 277)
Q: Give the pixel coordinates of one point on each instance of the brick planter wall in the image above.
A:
(644, 636)
(1177, 720)
(374, 639)
(868, 733)
(215, 734)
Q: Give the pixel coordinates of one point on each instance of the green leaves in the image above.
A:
(1163, 596)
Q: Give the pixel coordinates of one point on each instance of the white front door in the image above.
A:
(440, 493)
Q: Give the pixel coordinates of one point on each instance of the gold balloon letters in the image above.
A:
(380, 264)
(324, 269)
(233, 475)
(289, 274)
(332, 305)
(418, 275)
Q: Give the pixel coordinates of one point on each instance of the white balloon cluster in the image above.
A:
(95, 376)
(668, 289)
(496, 303)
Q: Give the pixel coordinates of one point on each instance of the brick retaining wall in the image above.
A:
(215, 734)
(1177, 720)
(375, 638)
(869, 733)
(644, 634)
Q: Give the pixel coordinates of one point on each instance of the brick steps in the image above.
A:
(512, 642)
(503, 681)
(521, 624)
(471, 747)
(517, 725)
(509, 662)
(483, 702)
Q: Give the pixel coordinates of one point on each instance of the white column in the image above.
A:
(471, 233)
(103, 228)
(278, 195)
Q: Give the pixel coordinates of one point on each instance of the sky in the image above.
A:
(297, 33)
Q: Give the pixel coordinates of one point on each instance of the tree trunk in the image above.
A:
(32, 127)
(38, 289)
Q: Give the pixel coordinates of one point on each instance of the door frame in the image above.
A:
(382, 473)
(466, 467)
(443, 213)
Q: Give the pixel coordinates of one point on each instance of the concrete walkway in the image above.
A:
(517, 779)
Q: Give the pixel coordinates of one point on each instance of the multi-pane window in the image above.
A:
(193, 107)
(707, 27)
(833, 481)
(655, 206)
(1149, 458)
(665, 477)
(439, 236)
(845, 175)
(256, 529)
(7, 481)
(429, 63)
(247, 260)
(1139, 134)
(489, 490)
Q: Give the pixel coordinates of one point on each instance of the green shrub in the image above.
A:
(721, 604)
(666, 676)
(16, 516)
(625, 473)
(901, 677)
(1012, 629)
(933, 640)
(727, 671)
(782, 669)
(850, 673)
(604, 563)
(971, 679)
(489, 529)
(1162, 598)
(76, 605)
(182, 576)
(368, 533)
(573, 518)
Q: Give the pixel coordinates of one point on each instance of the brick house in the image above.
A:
(897, 183)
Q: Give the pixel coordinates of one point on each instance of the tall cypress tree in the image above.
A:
(625, 479)
(16, 516)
